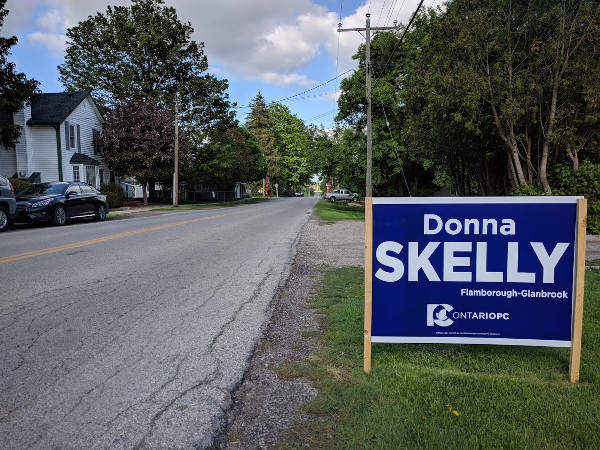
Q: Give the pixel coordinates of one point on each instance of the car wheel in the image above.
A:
(332, 199)
(60, 216)
(4, 219)
(101, 212)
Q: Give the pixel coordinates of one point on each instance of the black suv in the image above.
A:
(8, 206)
(60, 201)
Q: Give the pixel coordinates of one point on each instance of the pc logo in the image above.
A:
(437, 314)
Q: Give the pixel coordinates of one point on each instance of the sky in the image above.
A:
(289, 50)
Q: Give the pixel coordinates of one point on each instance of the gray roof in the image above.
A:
(80, 158)
(53, 109)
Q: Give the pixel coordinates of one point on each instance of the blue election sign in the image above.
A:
(474, 270)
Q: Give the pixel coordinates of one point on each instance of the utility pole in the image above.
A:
(367, 31)
(176, 158)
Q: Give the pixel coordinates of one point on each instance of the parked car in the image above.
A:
(340, 194)
(299, 193)
(60, 201)
(8, 205)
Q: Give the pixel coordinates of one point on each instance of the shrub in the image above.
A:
(584, 181)
(19, 184)
(114, 194)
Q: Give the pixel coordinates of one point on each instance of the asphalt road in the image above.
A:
(132, 333)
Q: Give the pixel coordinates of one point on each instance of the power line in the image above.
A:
(381, 12)
(321, 115)
(400, 10)
(306, 97)
(389, 16)
(316, 87)
(368, 29)
(304, 92)
(337, 58)
(387, 122)
(398, 44)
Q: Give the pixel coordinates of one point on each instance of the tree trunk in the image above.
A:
(145, 192)
(548, 135)
(512, 176)
(152, 190)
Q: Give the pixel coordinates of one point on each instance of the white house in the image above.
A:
(57, 141)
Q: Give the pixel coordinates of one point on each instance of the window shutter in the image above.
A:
(67, 140)
(95, 134)
(78, 139)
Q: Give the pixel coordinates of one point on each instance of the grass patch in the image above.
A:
(113, 216)
(213, 205)
(451, 396)
(330, 212)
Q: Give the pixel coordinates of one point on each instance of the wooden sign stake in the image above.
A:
(368, 282)
(575, 359)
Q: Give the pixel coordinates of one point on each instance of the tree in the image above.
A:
(15, 88)
(320, 152)
(231, 155)
(138, 141)
(139, 52)
(260, 123)
(518, 73)
(292, 141)
(397, 167)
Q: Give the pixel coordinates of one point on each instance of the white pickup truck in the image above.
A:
(340, 194)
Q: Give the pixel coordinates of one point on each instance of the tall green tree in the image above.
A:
(292, 142)
(143, 51)
(320, 153)
(138, 140)
(260, 123)
(231, 155)
(15, 88)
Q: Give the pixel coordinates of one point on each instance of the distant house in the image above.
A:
(58, 141)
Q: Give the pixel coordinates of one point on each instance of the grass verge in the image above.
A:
(330, 212)
(213, 205)
(450, 396)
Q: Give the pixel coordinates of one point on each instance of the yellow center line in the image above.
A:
(62, 248)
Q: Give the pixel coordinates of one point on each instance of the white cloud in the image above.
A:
(51, 20)
(268, 40)
(279, 79)
(56, 43)
(260, 38)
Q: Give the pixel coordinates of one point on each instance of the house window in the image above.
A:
(72, 136)
(95, 135)
(76, 176)
(90, 175)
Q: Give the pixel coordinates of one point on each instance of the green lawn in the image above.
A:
(443, 396)
(329, 211)
(184, 206)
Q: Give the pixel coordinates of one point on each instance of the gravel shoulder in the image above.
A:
(264, 406)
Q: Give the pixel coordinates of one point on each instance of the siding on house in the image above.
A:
(38, 148)
(84, 120)
(42, 151)
(23, 162)
(8, 162)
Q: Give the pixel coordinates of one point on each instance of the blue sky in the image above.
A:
(281, 48)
